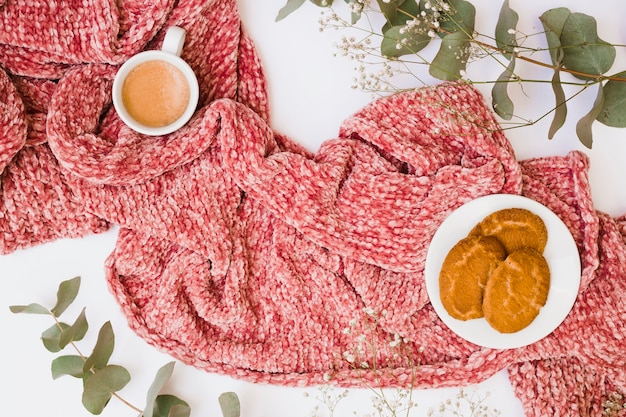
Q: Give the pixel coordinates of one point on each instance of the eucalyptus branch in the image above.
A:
(91, 370)
(573, 46)
(101, 380)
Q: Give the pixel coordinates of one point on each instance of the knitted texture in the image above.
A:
(80, 42)
(241, 253)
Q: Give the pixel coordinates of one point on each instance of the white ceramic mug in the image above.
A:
(156, 92)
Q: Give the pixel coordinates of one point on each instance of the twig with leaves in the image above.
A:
(573, 46)
(101, 380)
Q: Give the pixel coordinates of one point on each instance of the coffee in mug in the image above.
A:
(156, 92)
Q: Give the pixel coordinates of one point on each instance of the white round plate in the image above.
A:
(560, 252)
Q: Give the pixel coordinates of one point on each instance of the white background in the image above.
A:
(310, 92)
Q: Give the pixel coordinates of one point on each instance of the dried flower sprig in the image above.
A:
(573, 48)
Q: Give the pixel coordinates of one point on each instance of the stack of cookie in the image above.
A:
(498, 271)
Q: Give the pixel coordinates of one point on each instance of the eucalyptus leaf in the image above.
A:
(409, 42)
(399, 13)
(161, 378)
(32, 308)
(461, 18)
(613, 112)
(290, 7)
(584, 125)
(451, 59)
(354, 16)
(170, 406)
(51, 336)
(179, 410)
(506, 38)
(560, 107)
(501, 102)
(76, 331)
(229, 403)
(103, 349)
(67, 365)
(66, 294)
(100, 387)
(583, 50)
(553, 21)
(390, 11)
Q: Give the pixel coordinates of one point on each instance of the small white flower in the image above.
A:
(511, 31)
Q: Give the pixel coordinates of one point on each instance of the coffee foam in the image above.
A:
(155, 93)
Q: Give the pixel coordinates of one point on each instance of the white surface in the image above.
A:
(560, 252)
(310, 94)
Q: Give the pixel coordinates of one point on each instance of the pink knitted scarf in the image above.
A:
(241, 253)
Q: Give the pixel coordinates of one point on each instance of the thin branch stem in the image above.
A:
(84, 358)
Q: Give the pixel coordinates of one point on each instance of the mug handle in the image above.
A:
(174, 40)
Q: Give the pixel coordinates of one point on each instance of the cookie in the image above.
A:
(515, 228)
(464, 273)
(516, 291)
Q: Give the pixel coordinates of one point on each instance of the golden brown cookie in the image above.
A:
(465, 271)
(516, 228)
(516, 291)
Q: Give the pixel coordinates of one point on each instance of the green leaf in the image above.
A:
(501, 102)
(583, 127)
(67, 365)
(389, 10)
(506, 38)
(409, 42)
(560, 106)
(100, 387)
(33, 308)
(103, 349)
(451, 59)
(613, 112)
(76, 331)
(170, 406)
(51, 336)
(553, 21)
(162, 376)
(354, 16)
(287, 9)
(66, 294)
(399, 13)
(583, 50)
(229, 403)
(461, 18)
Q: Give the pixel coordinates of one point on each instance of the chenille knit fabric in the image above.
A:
(241, 253)
(83, 42)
